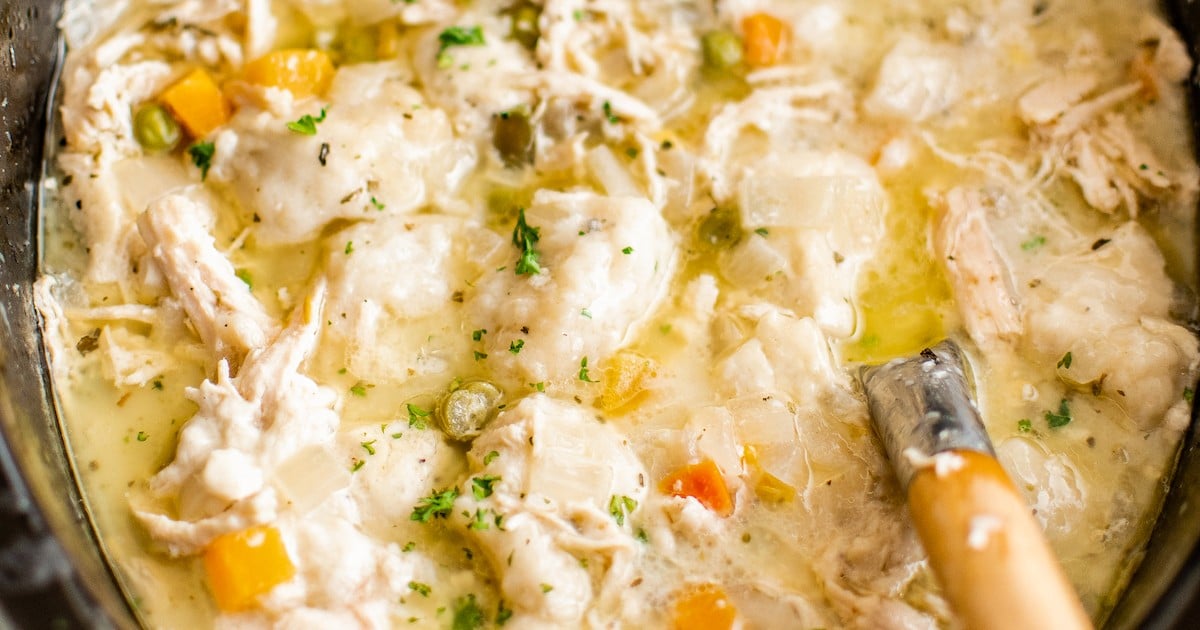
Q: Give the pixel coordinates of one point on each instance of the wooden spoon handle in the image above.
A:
(988, 553)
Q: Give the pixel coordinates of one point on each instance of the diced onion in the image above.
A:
(823, 203)
(764, 420)
(753, 261)
(610, 174)
(571, 465)
(307, 478)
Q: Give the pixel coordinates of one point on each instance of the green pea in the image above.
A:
(722, 49)
(722, 228)
(155, 128)
(513, 138)
(464, 412)
(525, 27)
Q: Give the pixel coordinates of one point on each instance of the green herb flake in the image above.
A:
(307, 125)
(1033, 243)
(1024, 425)
(546, 588)
(437, 505)
(481, 486)
(357, 465)
(369, 447)
(583, 372)
(539, 386)
(642, 536)
(1060, 419)
(467, 614)
(359, 389)
(763, 232)
(632, 152)
(479, 356)
(157, 385)
(1188, 394)
(423, 589)
(490, 457)
(1065, 361)
(480, 521)
(608, 113)
(503, 614)
(621, 506)
(457, 36)
(142, 436)
(586, 313)
(417, 417)
(515, 346)
(202, 155)
(349, 247)
(375, 203)
(477, 335)
(627, 251)
(244, 276)
(525, 238)
(408, 546)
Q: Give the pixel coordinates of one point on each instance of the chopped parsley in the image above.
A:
(620, 506)
(244, 276)
(1065, 361)
(359, 389)
(142, 436)
(417, 417)
(457, 36)
(546, 588)
(642, 536)
(763, 232)
(503, 614)
(515, 347)
(1033, 243)
(490, 457)
(423, 589)
(375, 203)
(477, 335)
(202, 155)
(369, 447)
(609, 115)
(539, 386)
(1188, 394)
(627, 251)
(408, 546)
(481, 487)
(349, 247)
(583, 372)
(358, 463)
(480, 522)
(436, 505)
(632, 152)
(480, 355)
(525, 238)
(586, 313)
(1060, 419)
(1024, 425)
(307, 125)
(467, 614)
(157, 385)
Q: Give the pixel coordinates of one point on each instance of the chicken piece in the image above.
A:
(1050, 99)
(219, 305)
(1110, 308)
(561, 478)
(605, 263)
(983, 286)
(398, 330)
(256, 421)
(380, 152)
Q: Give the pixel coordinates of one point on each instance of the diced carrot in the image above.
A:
(244, 565)
(197, 102)
(303, 72)
(765, 37)
(702, 482)
(625, 377)
(705, 608)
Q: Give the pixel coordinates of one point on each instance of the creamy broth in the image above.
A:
(683, 269)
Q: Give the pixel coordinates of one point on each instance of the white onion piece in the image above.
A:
(307, 478)
(752, 262)
(711, 436)
(610, 174)
(763, 419)
(570, 465)
(837, 203)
